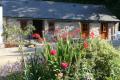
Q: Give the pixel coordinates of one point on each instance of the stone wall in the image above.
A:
(14, 22)
(46, 25)
(113, 28)
(95, 27)
(62, 29)
(116, 27)
(11, 23)
(69, 26)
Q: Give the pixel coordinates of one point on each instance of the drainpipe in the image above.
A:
(1, 26)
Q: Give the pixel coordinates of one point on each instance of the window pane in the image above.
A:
(23, 24)
(51, 26)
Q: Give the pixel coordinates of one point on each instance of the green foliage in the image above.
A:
(34, 70)
(105, 61)
(13, 34)
(99, 61)
(15, 76)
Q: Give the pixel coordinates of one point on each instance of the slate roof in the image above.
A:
(56, 10)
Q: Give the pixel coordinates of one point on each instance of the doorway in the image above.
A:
(85, 30)
(104, 30)
(38, 24)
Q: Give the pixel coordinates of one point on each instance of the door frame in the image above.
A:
(82, 25)
(105, 24)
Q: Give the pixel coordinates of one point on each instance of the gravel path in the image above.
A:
(10, 60)
(11, 55)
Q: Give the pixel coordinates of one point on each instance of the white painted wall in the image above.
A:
(1, 26)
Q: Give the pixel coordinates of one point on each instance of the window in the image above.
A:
(51, 25)
(85, 27)
(104, 30)
(23, 24)
(104, 27)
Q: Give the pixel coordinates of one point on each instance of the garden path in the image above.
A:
(11, 55)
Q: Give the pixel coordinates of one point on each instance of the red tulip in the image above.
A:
(64, 65)
(85, 44)
(92, 35)
(53, 52)
(83, 36)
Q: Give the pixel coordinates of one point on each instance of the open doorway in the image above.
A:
(38, 27)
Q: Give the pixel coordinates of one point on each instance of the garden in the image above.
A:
(68, 59)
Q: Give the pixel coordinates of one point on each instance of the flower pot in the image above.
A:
(8, 45)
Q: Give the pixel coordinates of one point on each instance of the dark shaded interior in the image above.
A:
(38, 24)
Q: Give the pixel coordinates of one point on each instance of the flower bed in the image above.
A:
(84, 59)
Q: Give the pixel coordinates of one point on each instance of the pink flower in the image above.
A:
(64, 65)
(85, 44)
(92, 35)
(53, 52)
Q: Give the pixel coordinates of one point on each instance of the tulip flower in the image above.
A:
(92, 35)
(53, 52)
(85, 44)
(64, 65)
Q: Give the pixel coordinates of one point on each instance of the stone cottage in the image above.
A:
(47, 15)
